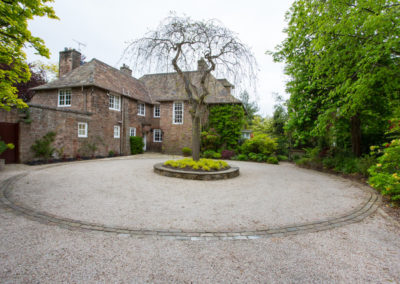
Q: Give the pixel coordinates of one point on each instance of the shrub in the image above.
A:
(209, 154)
(385, 175)
(257, 157)
(210, 140)
(111, 153)
(217, 156)
(259, 144)
(203, 164)
(42, 147)
(186, 151)
(4, 146)
(282, 158)
(136, 145)
(272, 160)
(241, 157)
(227, 154)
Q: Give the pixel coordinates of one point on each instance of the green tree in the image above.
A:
(14, 36)
(250, 107)
(343, 59)
(262, 125)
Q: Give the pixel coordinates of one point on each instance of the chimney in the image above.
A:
(69, 60)
(202, 65)
(125, 69)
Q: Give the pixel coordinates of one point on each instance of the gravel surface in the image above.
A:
(126, 192)
(369, 251)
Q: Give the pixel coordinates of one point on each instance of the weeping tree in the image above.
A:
(181, 42)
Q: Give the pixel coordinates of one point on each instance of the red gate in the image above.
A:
(9, 134)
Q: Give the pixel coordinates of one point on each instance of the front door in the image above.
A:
(144, 142)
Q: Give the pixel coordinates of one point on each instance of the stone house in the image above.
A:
(94, 104)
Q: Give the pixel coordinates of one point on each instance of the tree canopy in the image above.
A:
(14, 36)
(343, 61)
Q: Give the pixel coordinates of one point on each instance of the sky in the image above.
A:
(105, 27)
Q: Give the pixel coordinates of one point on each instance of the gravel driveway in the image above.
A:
(125, 192)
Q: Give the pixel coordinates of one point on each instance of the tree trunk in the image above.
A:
(196, 132)
(356, 135)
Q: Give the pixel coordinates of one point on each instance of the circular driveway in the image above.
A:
(125, 192)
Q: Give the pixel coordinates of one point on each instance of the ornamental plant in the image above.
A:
(260, 144)
(4, 146)
(136, 145)
(42, 148)
(385, 175)
(202, 164)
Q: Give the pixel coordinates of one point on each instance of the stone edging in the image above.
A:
(168, 172)
(356, 215)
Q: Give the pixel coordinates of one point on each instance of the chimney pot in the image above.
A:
(125, 69)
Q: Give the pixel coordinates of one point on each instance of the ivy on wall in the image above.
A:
(227, 121)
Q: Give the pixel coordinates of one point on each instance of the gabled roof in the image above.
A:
(102, 75)
(170, 87)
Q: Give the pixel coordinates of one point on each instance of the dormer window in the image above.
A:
(114, 102)
(141, 110)
(64, 98)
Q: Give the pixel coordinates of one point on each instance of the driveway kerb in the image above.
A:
(358, 214)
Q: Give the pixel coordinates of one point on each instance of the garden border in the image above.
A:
(358, 214)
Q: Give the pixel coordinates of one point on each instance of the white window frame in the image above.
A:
(139, 109)
(174, 110)
(132, 129)
(155, 110)
(64, 93)
(114, 102)
(159, 140)
(85, 128)
(117, 131)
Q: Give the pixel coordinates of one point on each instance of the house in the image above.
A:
(97, 106)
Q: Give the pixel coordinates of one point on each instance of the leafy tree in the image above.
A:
(343, 60)
(38, 77)
(14, 35)
(251, 107)
(182, 42)
(262, 125)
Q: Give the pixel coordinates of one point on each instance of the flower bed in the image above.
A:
(203, 165)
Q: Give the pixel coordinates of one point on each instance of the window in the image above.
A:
(132, 131)
(157, 111)
(141, 109)
(177, 113)
(64, 98)
(157, 135)
(115, 102)
(82, 129)
(116, 131)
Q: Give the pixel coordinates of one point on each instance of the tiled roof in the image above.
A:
(169, 87)
(99, 74)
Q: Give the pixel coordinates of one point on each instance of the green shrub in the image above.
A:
(111, 153)
(210, 140)
(136, 145)
(259, 144)
(209, 154)
(282, 158)
(87, 150)
(241, 157)
(272, 160)
(4, 146)
(385, 175)
(217, 156)
(202, 164)
(257, 157)
(42, 147)
(186, 151)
